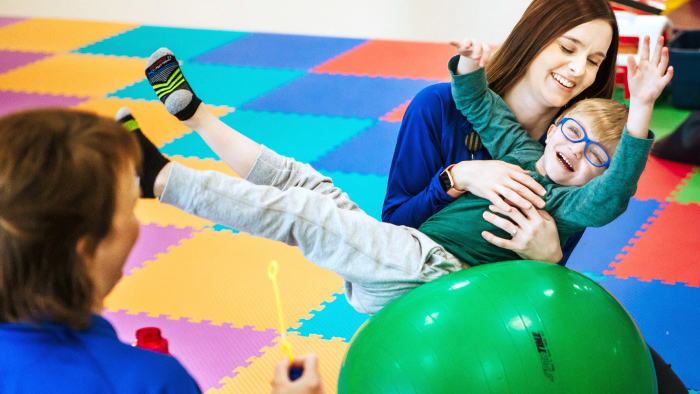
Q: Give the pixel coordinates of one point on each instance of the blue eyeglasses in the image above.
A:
(594, 152)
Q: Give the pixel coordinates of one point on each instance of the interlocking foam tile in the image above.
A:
(398, 59)
(668, 317)
(222, 277)
(690, 188)
(150, 211)
(158, 125)
(15, 101)
(10, 60)
(219, 84)
(189, 145)
(154, 240)
(660, 178)
(666, 117)
(74, 75)
(205, 165)
(304, 137)
(367, 191)
(144, 40)
(337, 319)
(396, 114)
(339, 95)
(53, 35)
(256, 378)
(208, 352)
(667, 250)
(600, 246)
(5, 21)
(278, 51)
(374, 148)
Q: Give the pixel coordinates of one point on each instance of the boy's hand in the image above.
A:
(474, 54)
(647, 80)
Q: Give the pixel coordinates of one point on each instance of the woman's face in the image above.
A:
(568, 65)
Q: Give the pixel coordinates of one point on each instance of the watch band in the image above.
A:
(448, 184)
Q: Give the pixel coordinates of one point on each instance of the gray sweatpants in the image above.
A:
(287, 201)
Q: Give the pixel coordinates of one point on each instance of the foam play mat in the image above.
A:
(336, 103)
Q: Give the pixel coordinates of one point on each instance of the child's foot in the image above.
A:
(153, 161)
(166, 78)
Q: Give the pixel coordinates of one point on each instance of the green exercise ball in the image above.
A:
(512, 327)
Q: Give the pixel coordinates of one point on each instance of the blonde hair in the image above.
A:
(607, 119)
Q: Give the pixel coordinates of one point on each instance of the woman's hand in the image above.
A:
(535, 233)
(308, 383)
(498, 181)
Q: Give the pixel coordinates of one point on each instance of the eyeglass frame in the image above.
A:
(584, 139)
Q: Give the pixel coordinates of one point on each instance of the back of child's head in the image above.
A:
(58, 184)
(606, 119)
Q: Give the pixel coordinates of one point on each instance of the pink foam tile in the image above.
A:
(16, 101)
(152, 241)
(6, 21)
(10, 60)
(208, 352)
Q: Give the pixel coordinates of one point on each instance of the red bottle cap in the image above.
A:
(150, 338)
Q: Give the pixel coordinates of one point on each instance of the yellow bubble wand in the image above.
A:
(286, 346)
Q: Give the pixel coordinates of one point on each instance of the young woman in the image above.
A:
(560, 52)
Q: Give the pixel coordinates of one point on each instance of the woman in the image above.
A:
(548, 49)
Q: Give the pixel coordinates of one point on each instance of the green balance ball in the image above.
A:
(511, 327)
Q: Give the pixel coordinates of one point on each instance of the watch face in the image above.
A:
(445, 181)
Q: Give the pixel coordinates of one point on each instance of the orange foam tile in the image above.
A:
(158, 125)
(256, 377)
(53, 35)
(75, 75)
(396, 115)
(205, 165)
(222, 277)
(150, 211)
(397, 59)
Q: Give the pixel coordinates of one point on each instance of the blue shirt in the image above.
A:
(56, 359)
(432, 137)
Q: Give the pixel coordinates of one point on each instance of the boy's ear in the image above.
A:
(551, 129)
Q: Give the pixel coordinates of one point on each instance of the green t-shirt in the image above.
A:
(458, 226)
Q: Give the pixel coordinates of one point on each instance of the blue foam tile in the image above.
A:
(337, 319)
(375, 148)
(668, 317)
(220, 84)
(189, 145)
(144, 40)
(340, 95)
(279, 51)
(302, 136)
(367, 191)
(600, 246)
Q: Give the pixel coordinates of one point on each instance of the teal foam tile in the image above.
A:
(337, 319)
(189, 145)
(220, 84)
(144, 40)
(367, 191)
(302, 136)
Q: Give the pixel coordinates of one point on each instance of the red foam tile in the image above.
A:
(667, 250)
(396, 114)
(660, 178)
(393, 59)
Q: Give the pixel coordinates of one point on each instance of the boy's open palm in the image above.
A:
(647, 79)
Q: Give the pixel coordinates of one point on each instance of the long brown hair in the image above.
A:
(58, 182)
(542, 23)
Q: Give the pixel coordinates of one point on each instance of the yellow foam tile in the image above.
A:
(75, 75)
(256, 377)
(155, 122)
(54, 35)
(150, 211)
(222, 277)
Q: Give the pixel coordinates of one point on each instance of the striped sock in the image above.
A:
(171, 87)
(152, 162)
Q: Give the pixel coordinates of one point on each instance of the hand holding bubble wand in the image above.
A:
(294, 372)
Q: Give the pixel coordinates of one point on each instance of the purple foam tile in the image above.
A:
(152, 241)
(208, 352)
(16, 101)
(9, 60)
(6, 21)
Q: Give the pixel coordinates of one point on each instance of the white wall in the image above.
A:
(419, 20)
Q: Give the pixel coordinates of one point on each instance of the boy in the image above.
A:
(287, 201)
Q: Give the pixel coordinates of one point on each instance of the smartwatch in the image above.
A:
(448, 184)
